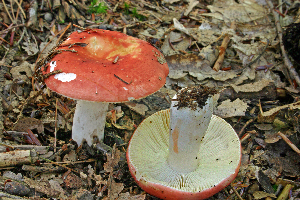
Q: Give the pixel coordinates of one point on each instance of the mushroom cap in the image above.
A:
(107, 66)
(219, 160)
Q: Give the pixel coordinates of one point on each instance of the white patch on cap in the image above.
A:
(131, 98)
(52, 65)
(65, 77)
(67, 39)
(125, 88)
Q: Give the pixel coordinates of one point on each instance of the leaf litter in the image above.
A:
(259, 94)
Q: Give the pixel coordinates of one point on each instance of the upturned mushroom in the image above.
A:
(184, 152)
(99, 67)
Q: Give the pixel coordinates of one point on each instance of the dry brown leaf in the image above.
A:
(229, 11)
(252, 87)
(126, 123)
(29, 123)
(22, 72)
(127, 196)
(137, 107)
(192, 4)
(231, 109)
(262, 195)
(30, 48)
(112, 160)
(114, 189)
(42, 186)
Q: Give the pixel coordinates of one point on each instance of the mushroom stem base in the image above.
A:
(89, 121)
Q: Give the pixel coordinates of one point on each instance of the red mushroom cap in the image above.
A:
(106, 66)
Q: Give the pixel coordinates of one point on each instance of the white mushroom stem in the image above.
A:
(89, 121)
(188, 127)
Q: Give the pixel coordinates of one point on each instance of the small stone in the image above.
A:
(82, 194)
(48, 17)
(152, 32)
(72, 181)
(81, 23)
(16, 188)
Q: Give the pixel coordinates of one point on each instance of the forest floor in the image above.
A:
(247, 49)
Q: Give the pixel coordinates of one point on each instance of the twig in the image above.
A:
(223, 48)
(289, 142)
(20, 8)
(7, 11)
(62, 32)
(260, 55)
(287, 61)
(10, 28)
(52, 73)
(12, 12)
(285, 192)
(4, 40)
(61, 165)
(55, 129)
(33, 138)
(236, 193)
(246, 124)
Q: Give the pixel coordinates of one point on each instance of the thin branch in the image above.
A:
(10, 28)
(223, 48)
(11, 19)
(260, 55)
(289, 142)
(20, 8)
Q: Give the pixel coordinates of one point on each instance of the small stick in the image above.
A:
(122, 79)
(52, 73)
(287, 61)
(236, 193)
(171, 44)
(33, 138)
(12, 12)
(11, 27)
(4, 40)
(289, 142)
(246, 124)
(55, 129)
(20, 8)
(260, 55)
(7, 11)
(246, 136)
(223, 48)
(61, 165)
(62, 32)
(285, 192)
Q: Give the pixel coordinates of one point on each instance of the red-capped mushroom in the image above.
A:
(100, 66)
(185, 152)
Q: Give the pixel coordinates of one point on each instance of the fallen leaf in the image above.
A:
(252, 87)
(42, 186)
(29, 123)
(127, 196)
(114, 189)
(137, 107)
(239, 12)
(231, 109)
(112, 159)
(262, 195)
(30, 48)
